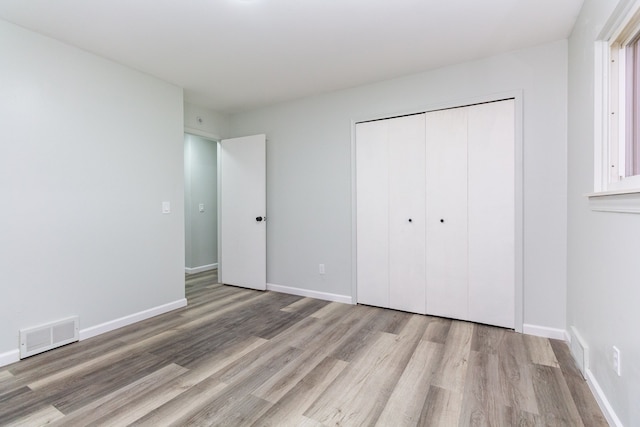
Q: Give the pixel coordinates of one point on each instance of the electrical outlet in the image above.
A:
(321, 268)
(616, 360)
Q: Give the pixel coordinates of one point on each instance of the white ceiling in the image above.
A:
(235, 55)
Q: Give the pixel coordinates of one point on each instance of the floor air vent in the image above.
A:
(580, 351)
(45, 337)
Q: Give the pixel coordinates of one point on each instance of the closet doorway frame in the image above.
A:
(517, 96)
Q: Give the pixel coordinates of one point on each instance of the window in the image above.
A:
(618, 147)
(617, 112)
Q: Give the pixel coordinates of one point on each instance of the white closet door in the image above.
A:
(446, 228)
(407, 213)
(372, 213)
(492, 213)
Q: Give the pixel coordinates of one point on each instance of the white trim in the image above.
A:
(613, 192)
(600, 116)
(546, 332)
(615, 201)
(130, 319)
(602, 400)
(354, 217)
(346, 299)
(13, 356)
(201, 133)
(609, 98)
(9, 357)
(200, 269)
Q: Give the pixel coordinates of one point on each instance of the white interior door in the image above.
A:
(492, 213)
(446, 230)
(243, 235)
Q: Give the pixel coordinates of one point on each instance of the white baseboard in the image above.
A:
(132, 318)
(14, 355)
(346, 299)
(546, 332)
(602, 400)
(200, 269)
(9, 357)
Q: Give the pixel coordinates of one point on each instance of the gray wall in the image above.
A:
(309, 170)
(90, 150)
(201, 180)
(603, 266)
(212, 124)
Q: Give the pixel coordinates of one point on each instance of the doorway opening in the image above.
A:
(201, 205)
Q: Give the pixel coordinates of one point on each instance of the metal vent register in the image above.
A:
(46, 337)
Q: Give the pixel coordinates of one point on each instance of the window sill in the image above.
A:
(625, 201)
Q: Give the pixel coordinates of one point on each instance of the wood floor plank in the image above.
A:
(226, 411)
(305, 306)
(166, 403)
(323, 341)
(487, 339)
(332, 310)
(41, 417)
(516, 417)
(453, 370)
(540, 351)
(554, 398)
(516, 374)
(437, 330)
(19, 403)
(359, 397)
(289, 408)
(442, 408)
(111, 407)
(237, 356)
(79, 390)
(363, 328)
(180, 408)
(266, 358)
(234, 404)
(481, 405)
(408, 398)
(584, 400)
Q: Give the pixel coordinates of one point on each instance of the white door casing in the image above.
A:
(243, 212)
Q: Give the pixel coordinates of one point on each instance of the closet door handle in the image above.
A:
(410, 220)
(259, 218)
(441, 220)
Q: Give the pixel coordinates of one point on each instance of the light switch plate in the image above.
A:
(166, 207)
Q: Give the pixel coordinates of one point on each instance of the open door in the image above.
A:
(243, 233)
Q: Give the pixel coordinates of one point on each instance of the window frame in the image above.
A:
(610, 113)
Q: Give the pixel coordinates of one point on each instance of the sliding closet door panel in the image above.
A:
(372, 209)
(406, 213)
(446, 228)
(492, 213)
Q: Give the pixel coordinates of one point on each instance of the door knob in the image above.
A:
(410, 220)
(258, 218)
(442, 220)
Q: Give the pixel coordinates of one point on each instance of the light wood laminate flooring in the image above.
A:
(239, 357)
